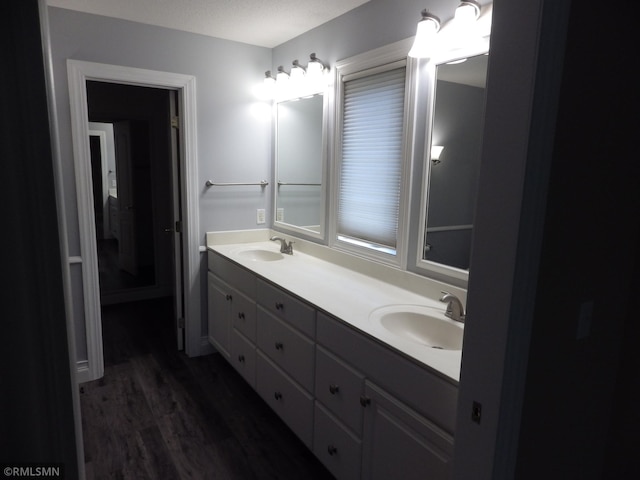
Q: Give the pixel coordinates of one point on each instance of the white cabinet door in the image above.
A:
(219, 296)
(399, 443)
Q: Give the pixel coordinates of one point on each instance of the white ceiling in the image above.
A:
(266, 23)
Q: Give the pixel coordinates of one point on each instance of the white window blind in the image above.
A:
(371, 164)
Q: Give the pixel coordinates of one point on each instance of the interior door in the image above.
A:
(176, 228)
(127, 258)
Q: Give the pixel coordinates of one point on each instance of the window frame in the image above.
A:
(369, 63)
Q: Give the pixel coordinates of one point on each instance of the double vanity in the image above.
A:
(358, 359)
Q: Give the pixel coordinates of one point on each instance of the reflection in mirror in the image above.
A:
(299, 164)
(452, 177)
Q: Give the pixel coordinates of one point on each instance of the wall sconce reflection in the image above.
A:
(436, 151)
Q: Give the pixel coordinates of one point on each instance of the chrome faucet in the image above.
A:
(284, 246)
(455, 310)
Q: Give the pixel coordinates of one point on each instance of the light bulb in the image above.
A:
(426, 32)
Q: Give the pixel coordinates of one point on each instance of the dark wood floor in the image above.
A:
(157, 414)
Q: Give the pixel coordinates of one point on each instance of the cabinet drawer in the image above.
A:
(285, 397)
(339, 388)
(243, 314)
(288, 308)
(237, 276)
(243, 357)
(335, 446)
(288, 348)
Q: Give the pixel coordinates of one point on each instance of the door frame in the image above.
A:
(78, 73)
(102, 138)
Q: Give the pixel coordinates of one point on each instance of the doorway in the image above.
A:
(85, 290)
(134, 218)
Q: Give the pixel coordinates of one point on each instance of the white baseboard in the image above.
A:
(82, 372)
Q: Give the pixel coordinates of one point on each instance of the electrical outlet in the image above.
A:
(280, 215)
(260, 216)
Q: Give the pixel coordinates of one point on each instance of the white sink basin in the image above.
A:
(419, 324)
(260, 255)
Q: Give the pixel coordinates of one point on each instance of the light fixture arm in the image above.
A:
(314, 59)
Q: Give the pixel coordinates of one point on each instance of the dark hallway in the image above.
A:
(135, 253)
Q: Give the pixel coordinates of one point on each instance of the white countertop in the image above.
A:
(347, 295)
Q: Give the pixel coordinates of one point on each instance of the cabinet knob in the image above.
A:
(279, 346)
(279, 305)
(241, 315)
(333, 388)
(228, 297)
(365, 401)
(277, 396)
(241, 358)
(332, 450)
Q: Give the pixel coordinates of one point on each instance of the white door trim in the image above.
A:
(79, 72)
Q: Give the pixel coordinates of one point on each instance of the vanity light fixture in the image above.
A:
(268, 79)
(467, 12)
(436, 151)
(297, 71)
(301, 82)
(315, 67)
(282, 76)
(427, 29)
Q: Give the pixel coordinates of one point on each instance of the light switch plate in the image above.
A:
(260, 216)
(280, 215)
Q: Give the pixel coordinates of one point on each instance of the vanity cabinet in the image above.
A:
(286, 357)
(286, 397)
(365, 410)
(219, 296)
(400, 443)
(232, 315)
(396, 418)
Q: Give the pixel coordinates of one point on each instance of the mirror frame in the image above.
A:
(453, 275)
(288, 227)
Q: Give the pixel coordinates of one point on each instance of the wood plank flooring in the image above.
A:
(157, 414)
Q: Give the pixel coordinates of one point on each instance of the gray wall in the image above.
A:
(231, 140)
(234, 145)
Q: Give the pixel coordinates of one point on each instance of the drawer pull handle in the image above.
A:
(279, 346)
(332, 450)
(241, 315)
(228, 297)
(241, 358)
(333, 388)
(279, 306)
(277, 396)
(365, 401)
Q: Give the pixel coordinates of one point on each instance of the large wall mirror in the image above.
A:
(452, 165)
(299, 165)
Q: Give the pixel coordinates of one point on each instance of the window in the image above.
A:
(372, 158)
(371, 164)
